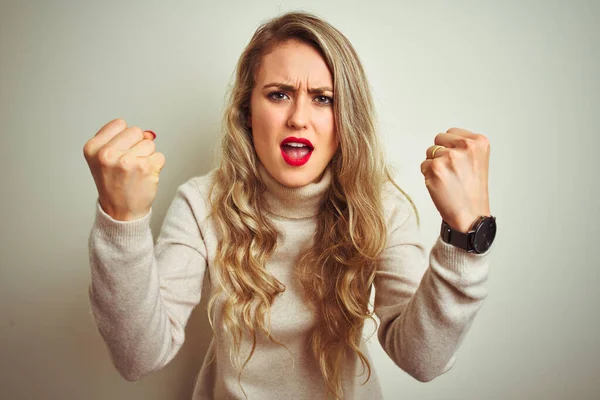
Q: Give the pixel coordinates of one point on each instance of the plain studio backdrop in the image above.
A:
(523, 73)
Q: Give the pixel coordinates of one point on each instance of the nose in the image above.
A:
(298, 118)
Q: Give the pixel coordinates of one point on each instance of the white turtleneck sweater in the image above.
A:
(142, 294)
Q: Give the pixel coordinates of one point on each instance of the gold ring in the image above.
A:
(434, 150)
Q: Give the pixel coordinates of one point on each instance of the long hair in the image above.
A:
(337, 273)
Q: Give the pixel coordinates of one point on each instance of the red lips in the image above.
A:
(297, 140)
(296, 162)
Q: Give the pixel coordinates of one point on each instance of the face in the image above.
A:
(291, 114)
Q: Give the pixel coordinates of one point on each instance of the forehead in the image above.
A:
(294, 62)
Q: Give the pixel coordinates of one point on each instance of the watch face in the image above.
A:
(484, 237)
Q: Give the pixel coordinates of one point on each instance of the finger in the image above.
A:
(426, 166)
(143, 148)
(439, 152)
(107, 133)
(448, 140)
(110, 129)
(462, 132)
(104, 135)
(157, 160)
(128, 138)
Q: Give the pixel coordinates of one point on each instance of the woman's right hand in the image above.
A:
(125, 168)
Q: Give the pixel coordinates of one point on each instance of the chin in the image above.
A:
(291, 176)
(295, 179)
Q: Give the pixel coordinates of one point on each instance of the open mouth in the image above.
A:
(296, 151)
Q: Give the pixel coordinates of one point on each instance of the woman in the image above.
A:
(293, 230)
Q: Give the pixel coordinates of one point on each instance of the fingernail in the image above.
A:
(153, 134)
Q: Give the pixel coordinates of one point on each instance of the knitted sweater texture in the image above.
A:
(142, 293)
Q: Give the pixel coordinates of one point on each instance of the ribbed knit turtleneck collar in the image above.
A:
(294, 203)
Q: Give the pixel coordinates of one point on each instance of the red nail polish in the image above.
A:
(153, 134)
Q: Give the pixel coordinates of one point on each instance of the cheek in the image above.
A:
(327, 126)
(266, 120)
(265, 129)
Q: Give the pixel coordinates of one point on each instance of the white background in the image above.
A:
(523, 73)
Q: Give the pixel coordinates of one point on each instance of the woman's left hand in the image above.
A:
(457, 178)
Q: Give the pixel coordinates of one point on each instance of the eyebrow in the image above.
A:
(290, 88)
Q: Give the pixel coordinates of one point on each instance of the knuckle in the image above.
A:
(437, 167)
(142, 168)
(469, 144)
(452, 156)
(137, 130)
(87, 150)
(105, 155)
(483, 141)
(126, 163)
(146, 168)
(462, 141)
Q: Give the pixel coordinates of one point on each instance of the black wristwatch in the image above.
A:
(477, 240)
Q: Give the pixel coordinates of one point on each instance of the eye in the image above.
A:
(277, 96)
(324, 100)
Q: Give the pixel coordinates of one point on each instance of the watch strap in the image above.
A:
(455, 238)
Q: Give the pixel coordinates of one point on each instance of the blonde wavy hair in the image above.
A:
(351, 231)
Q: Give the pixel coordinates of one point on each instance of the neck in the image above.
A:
(298, 202)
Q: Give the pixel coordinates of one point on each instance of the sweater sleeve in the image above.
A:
(142, 295)
(425, 309)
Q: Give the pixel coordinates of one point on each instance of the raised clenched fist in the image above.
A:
(126, 169)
